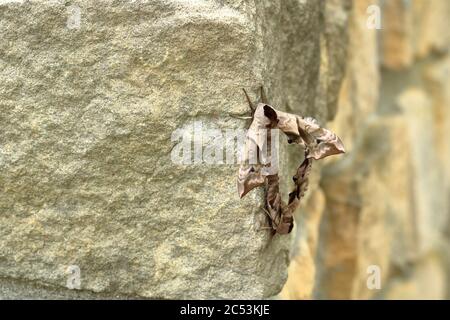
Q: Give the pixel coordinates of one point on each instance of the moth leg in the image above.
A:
(250, 104)
(272, 221)
(263, 95)
(267, 212)
(269, 227)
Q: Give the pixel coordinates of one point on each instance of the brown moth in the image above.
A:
(316, 141)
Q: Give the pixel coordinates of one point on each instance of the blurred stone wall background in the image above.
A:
(386, 203)
(91, 92)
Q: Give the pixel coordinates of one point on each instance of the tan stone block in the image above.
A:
(397, 35)
(431, 31)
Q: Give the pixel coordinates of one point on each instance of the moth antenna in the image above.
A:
(263, 95)
(252, 108)
(241, 117)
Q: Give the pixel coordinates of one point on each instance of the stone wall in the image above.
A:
(91, 94)
(386, 203)
(92, 91)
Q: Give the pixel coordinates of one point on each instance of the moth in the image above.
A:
(317, 143)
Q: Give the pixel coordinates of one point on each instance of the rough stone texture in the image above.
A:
(87, 115)
(86, 177)
(386, 203)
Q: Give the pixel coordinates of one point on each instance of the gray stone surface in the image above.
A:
(87, 113)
